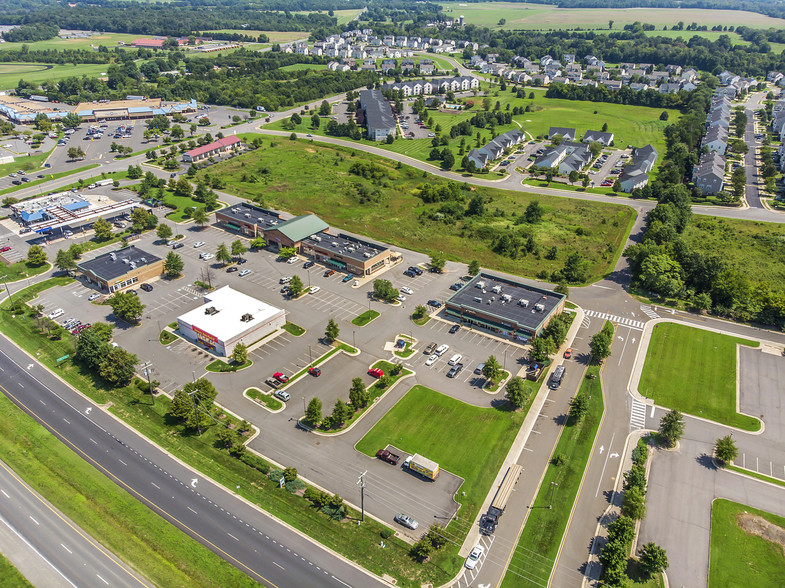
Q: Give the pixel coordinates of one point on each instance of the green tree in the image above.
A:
(438, 262)
(64, 260)
(725, 449)
(474, 267)
(541, 348)
(533, 213)
(296, 286)
(200, 217)
(340, 413)
(140, 219)
(634, 505)
(36, 255)
(492, 369)
(118, 366)
(183, 187)
(324, 108)
(290, 474)
(671, 427)
(332, 331)
(315, 121)
(517, 392)
(653, 559)
(238, 248)
(600, 344)
(91, 348)
(574, 176)
(75, 153)
(595, 148)
(240, 353)
(173, 265)
(384, 290)
(126, 306)
(103, 230)
(71, 120)
(579, 406)
(222, 254)
(287, 252)
(258, 242)
(358, 394)
(313, 413)
(194, 402)
(164, 231)
(419, 311)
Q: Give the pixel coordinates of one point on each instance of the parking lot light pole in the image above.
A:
(553, 489)
(353, 342)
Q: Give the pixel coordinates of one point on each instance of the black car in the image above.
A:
(456, 287)
(435, 303)
(146, 287)
(177, 246)
(308, 264)
(241, 261)
(409, 274)
(454, 329)
(415, 269)
(16, 182)
(231, 269)
(285, 290)
(134, 292)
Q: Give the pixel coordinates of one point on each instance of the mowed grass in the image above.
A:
(11, 576)
(274, 36)
(537, 16)
(301, 66)
(425, 421)
(38, 73)
(106, 39)
(694, 371)
(738, 558)
(293, 176)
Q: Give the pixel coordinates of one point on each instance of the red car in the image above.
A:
(568, 353)
(280, 377)
(375, 372)
(4, 249)
(315, 372)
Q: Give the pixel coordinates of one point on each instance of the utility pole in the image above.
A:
(146, 371)
(9, 291)
(196, 414)
(361, 484)
(553, 489)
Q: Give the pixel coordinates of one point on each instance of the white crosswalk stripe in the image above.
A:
(637, 415)
(649, 311)
(632, 323)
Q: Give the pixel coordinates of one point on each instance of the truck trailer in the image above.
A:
(490, 520)
(423, 466)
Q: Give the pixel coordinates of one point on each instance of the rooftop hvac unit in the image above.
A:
(539, 307)
(125, 260)
(523, 302)
(143, 259)
(496, 289)
(317, 238)
(366, 254)
(478, 299)
(133, 265)
(247, 318)
(480, 284)
(335, 243)
(113, 256)
(211, 310)
(506, 298)
(235, 210)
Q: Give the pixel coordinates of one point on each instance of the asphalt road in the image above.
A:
(47, 548)
(751, 191)
(265, 549)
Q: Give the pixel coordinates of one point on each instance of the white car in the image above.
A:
(407, 290)
(294, 259)
(314, 290)
(93, 297)
(244, 272)
(198, 244)
(474, 557)
(206, 256)
(401, 298)
(56, 313)
(431, 359)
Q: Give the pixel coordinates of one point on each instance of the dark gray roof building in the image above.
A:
(378, 115)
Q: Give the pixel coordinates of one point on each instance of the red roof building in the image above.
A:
(217, 148)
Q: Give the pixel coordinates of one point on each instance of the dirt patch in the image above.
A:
(309, 150)
(760, 527)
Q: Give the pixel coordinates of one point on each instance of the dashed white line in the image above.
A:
(122, 462)
(156, 485)
(192, 510)
(4, 494)
(32, 519)
(233, 537)
(279, 565)
(102, 580)
(68, 550)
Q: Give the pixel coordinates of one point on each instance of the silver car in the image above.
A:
(406, 521)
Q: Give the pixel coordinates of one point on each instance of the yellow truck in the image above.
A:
(423, 466)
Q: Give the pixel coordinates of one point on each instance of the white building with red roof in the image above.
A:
(219, 147)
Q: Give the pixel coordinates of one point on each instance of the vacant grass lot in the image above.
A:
(425, 421)
(694, 371)
(533, 558)
(38, 73)
(106, 39)
(537, 16)
(738, 558)
(291, 176)
(300, 66)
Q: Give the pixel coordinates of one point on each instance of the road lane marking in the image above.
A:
(68, 550)
(102, 580)
(607, 456)
(279, 565)
(4, 494)
(32, 519)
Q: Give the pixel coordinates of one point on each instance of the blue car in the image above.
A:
(348, 277)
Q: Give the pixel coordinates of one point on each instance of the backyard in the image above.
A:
(694, 371)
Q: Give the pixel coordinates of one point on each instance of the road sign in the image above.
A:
(59, 359)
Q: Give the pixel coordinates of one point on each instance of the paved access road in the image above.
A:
(48, 548)
(265, 549)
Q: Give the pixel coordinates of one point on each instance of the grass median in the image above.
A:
(365, 318)
(11, 576)
(694, 371)
(534, 556)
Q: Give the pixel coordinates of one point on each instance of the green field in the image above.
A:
(107, 39)
(532, 561)
(11, 576)
(275, 36)
(694, 371)
(38, 73)
(291, 176)
(739, 558)
(425, 421)
(301, 66)
(539, 16)
(48, 178)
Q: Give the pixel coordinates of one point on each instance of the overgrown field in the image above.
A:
(379, 199)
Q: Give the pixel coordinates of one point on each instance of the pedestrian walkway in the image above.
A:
(649, 311)
(637, 415)
(633, 324)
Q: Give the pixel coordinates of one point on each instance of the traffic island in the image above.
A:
(267, 401)
(365, 318)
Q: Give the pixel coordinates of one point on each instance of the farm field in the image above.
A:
(710, 360)
(106, 39)
(291, 176)
(38, 73)
(539, 16)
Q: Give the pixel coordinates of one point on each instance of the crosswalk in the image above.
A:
(633, 324)
(637, 415)
(649, 311)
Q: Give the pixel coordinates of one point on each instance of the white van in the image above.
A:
(441, 349)
(56, 313)
(282, 395)
(455, 359)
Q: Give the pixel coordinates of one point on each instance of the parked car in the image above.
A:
(456, 286)
(455, 370)
(375, 372)
(177, 246)
(388, 456)
(293, 259)
(93, 297)
(244, 272)
(314, 289)
(454, 329)
(198, 244)
(432, 359)
(328, 273)
(415, 269)
(474, 557)
(568, 353)
(478, 369)
(146, 287)
(430, 348)
(4, 249)
(406, 521)
(281, 377)
(241, 261)
(308, 264)
(401, 298)
(230, 270)
(407, 290)
(435, 303)
(315, 372)
(409, 274)
(282, 395)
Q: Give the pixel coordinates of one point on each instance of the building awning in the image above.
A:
(230, 225)
(336, 263)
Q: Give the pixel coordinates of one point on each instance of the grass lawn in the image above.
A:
(267, 399)
(533, 558)
(167, 337)
(38, 73)
(425, 421)
(738, 558)
(106, 39)
(132, 405)
(221, 367)
(421, 321)
(11, 576)
(21, 270)
(753, 474)
(365, 318)
(48, 178)
(301, 66)
(291, 176)
(26, 163)
(275, 36)
(694, 371)
(293, 329)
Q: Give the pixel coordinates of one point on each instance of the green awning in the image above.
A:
(336, 263)
(232, 226)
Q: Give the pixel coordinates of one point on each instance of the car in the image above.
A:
(293, 259)
(478, 369)
(457, 286)
(568, 353)
(435, 303)
(407, 290)
(198, 244)
(93, 297)
(177, 245)
(285, 280)
(400, 298)
(282, 395)
(308, 264)
(4, 249)
(146, 287)
(281, 377)
(285, 290)
(455, 370)
(314, 289)
(432, 359)
(309, 135)
(12, 175)
(328, 273)
(454, 329)
(241, 261)
(133, 292)
(206, 256)
(415, 269)
(25, 179)
(430, 348)
(231, 270)
(244, 272)
(406, 521)
(348, 278)
(409, 274)
(375, 372)
(16, 182)
(171, 242)
(315, 372)
(474, 557)
(455, 359)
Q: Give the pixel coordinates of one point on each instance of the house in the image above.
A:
(637, 86)
(494, 149)
(669, 88)
(773, 77)
(606, 139)
(552, 157)
(379, 118)
(636, 173)
(578, 155)
(612, 84)
(566, 133)
(216, 148)
(541, 79)
(478, 157)
(709, 174)
(716, 139)
(388, 64)
(426, 67)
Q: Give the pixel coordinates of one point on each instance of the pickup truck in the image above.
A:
(387, 456)
(272, 382)
(430, 348)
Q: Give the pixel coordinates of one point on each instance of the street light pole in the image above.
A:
(361, 483)
(553, 489)
(146, 371)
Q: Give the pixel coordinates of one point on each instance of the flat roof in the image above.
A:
(301, 227)
(114, 264)
(248, 213)
(226, 320)
(346, 246)
(507, 310)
